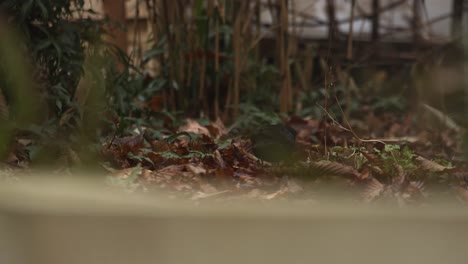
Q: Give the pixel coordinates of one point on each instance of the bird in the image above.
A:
(274, 143)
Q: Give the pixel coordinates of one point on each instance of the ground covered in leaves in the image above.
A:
(379, 159)
(388, 159)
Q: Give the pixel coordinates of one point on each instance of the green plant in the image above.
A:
(55, 44)
(210, 59)
(73, 74)
(23, 107)
(252, 117)
(389, 103)
(394, 154)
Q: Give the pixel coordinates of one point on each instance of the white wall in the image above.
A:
(398, 17)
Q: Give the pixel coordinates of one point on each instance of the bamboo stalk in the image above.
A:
(375, 20)
(349, 56)
(285, 93)
(168, 12)
(416, 21)
(457, 18)
(179, 55)
(216, 99)
(237, 38)
(349, 50)
(201, 94)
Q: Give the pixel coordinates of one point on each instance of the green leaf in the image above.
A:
(26, 8)
(59, 52)
(172, 138)
(224, 144)
(42, 7)
(170, 155)
(43, 45)
(153, 53)
(58, 103)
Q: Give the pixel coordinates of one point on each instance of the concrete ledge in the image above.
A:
(49, 221)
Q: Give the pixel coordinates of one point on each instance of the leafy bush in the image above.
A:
(70, 68)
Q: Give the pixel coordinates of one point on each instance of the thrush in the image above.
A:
(274, 143)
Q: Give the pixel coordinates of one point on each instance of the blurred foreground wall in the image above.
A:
(52, 222)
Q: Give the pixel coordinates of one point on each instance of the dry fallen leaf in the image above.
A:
(333, 168)
(197, 170)
(156, 104)
(373, 190)
(194, 127)
(462, 193)
(414, 190)
(217, 128)
(169, 171)
(203, 195)
(431, 165)
(274, 195)
(123, 173)
(219, 159)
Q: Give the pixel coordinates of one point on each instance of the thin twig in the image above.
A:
(348, 129)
